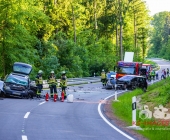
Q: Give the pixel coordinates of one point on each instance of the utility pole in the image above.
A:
(135, 36)
(143, 44)
(74, 25)
(95, 15)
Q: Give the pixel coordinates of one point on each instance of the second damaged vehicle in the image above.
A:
(132, 82)
(111, 80)
(18, 82)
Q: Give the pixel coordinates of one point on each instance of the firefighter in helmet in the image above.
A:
(63, 83)
(39, 83)
(52, 81)
(103, 77)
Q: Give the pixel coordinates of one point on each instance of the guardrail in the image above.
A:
(74, 81)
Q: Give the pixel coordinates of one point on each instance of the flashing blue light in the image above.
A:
(129, 64)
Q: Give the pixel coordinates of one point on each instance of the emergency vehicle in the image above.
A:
(130, 68)
(146, 68)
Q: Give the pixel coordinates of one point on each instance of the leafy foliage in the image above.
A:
(160, 36)
(81, 37)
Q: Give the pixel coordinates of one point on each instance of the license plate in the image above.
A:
(17, 93)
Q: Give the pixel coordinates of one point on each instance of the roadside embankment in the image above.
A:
(155, 122)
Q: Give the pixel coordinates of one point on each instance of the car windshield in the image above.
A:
(126, 70)
(126, 78)
(17, 80)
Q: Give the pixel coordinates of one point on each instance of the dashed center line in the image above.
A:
(26, 115)
(42, 103)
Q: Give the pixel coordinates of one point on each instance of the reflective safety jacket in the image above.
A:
(153, 73)
(52, 80)
(38, 80)
(63, 81)
(103, 75)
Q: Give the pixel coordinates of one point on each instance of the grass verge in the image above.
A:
(157, 94)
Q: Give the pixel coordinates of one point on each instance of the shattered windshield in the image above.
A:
(17, 80)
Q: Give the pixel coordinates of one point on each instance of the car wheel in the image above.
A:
(21, 97)
(2, 94)
(125, 86)
(144, 89)
(30, 94)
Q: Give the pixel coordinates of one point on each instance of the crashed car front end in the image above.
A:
(14, 89)
(16, 85)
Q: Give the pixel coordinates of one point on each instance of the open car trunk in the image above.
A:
(22, 68)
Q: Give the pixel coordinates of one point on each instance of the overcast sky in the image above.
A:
(156, 6)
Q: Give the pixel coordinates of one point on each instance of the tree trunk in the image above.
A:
(74, 25)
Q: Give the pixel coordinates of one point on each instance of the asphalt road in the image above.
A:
(25, 119)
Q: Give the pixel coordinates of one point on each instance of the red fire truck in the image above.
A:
(130, 68)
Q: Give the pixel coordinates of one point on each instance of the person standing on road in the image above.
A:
(39, 83)
(162, 75)
(52, 84)
(167, 72)
(157, 76)
(103, 77)
(63, 83)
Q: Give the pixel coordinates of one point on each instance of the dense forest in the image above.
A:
(160, 36)
(81, 37)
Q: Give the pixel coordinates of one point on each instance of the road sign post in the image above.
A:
(116, 93)
(134, 126)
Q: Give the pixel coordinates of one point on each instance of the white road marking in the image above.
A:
(163, 65)
(26, 115)
(42, 103)
(24, 137)
(114, 127)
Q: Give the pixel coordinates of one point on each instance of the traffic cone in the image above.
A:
(46, 96)
(62, 96)
(55, 97)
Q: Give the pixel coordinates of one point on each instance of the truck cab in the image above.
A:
(130, 68)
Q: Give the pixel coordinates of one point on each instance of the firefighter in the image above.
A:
(153, 74)
(39, 83)
(63, 83)
(103, 77)
(52, 84)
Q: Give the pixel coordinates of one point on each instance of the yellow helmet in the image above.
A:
(52, 71)
(63, 72)
(40, 71)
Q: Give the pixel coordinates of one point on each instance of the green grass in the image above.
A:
(158, 93)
